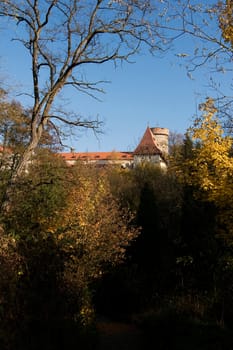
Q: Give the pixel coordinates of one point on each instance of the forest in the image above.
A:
(138, 245)
(142, 245)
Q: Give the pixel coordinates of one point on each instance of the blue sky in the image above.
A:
(150, 92)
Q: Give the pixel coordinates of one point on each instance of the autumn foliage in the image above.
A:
(64, 230)
(121, 242)
(211, 168)
(226, 20)
(94, 230)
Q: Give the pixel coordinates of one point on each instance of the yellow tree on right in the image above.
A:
(211, 168)
(226, 20)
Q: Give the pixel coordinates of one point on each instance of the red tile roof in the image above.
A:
(147, 145)
(95, 156)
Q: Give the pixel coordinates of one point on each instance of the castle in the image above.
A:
(153, 147)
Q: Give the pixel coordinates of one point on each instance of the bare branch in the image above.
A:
(92, 124)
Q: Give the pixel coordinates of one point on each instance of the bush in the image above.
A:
(170, 328)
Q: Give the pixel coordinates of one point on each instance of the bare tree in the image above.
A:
(63, 36)
(205, 31)
(200, 23)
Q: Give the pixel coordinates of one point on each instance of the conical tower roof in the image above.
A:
(147, 145)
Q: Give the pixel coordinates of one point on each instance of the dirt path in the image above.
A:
(120, 336)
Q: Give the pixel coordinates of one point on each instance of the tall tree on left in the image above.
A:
(62, 37)
(14, 138)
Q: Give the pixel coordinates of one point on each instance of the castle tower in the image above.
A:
(153, 147)
(161, 139)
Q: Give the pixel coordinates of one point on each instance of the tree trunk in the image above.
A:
(21, 167)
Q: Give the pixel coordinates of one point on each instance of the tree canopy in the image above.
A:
(211, 167)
